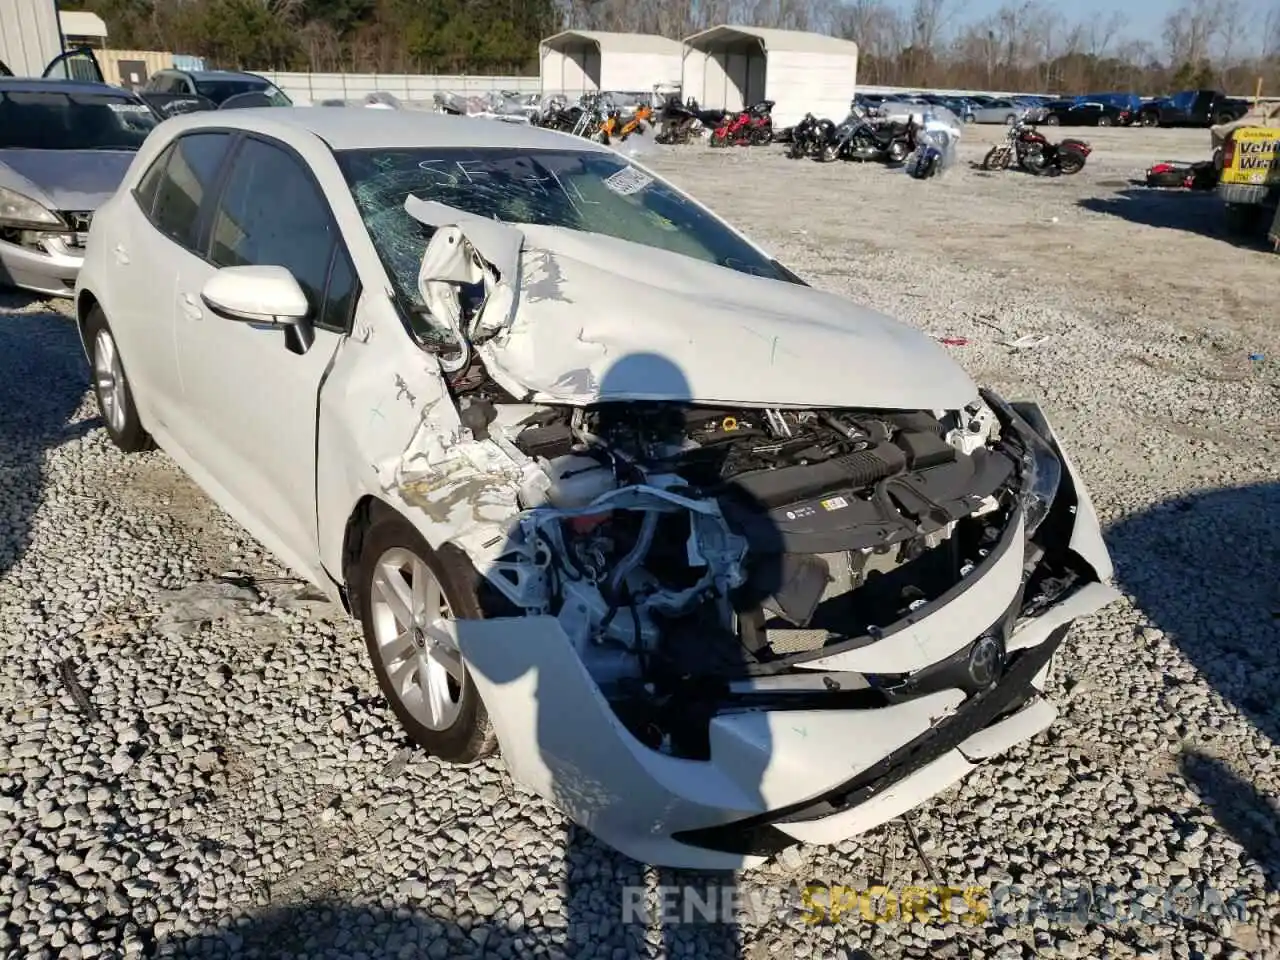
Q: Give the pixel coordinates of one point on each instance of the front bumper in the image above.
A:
(51, 271)
(780, 776)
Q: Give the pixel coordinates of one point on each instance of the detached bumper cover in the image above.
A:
(778, 776)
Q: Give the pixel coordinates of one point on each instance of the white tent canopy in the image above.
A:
(582, 61)
(82, 23)
(732, 67)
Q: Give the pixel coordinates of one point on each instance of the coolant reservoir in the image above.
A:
(570, 481)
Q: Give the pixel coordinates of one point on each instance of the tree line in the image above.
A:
(1027, 45)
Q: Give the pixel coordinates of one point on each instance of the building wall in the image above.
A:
(132, 68)
(638, 72)
(29, 35)
(818, 83)
(571, 69)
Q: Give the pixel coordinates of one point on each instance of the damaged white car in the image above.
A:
(720, 562)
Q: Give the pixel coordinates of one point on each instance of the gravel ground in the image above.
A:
(237, 788)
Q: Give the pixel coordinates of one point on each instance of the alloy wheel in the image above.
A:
(108, 378)
(423, 664)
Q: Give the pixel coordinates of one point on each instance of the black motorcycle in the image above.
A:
(807, 137)
(861, 137)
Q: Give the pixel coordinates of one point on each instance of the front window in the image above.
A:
(579, 190)
(53, 120)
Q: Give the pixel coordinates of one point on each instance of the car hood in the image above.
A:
(596, 318)
(77, 180)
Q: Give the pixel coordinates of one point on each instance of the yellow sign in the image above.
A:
(1254, 159)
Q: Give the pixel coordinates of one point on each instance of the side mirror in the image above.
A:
(263, 296)
(256, 294)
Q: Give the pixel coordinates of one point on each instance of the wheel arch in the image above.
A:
(85, 303)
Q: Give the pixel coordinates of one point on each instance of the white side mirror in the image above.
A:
(256, 294)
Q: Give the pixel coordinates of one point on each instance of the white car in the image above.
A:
(721, 562)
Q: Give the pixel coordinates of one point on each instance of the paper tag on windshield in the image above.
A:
(129, 107)
(627, 181)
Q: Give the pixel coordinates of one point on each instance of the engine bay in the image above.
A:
(685, 548)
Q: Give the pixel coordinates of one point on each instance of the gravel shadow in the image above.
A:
(1203, 569)
(1188, 211)
(43, 378)
(1251, 817)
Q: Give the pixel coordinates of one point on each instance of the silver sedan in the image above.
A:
(999, 111)
(64, 148)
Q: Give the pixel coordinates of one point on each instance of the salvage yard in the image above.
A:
(194, 757)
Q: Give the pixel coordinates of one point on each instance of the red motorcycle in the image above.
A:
(751, 126)
(1028, 148)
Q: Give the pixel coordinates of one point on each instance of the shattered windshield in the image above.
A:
(53, 120)
(581, 190)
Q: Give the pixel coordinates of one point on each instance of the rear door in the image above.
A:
(156, 233)
(249, 400)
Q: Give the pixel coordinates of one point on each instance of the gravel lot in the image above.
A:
(239, 789)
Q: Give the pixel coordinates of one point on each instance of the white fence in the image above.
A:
(315, 87)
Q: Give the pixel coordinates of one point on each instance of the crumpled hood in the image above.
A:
(604, 319)
(79, 180)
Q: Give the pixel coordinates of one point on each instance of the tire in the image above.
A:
(111, 387)
(1223, 118)
(460, 732)
(896, 154)
(993, 160)
(1070, 163)
(828, 153)
(1149, 119)
(1243, 220)
(970, 118)
(1052, 120)
(1010, 120)
(1104, 121)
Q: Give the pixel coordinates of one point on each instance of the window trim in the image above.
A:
(206, 219)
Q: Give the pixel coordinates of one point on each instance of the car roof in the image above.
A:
(349, 128)
(223, 75)
(41, 85)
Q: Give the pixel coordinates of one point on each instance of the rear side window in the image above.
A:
(147, 188)
(189, 173)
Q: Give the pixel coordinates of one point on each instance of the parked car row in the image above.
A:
(1190, 108)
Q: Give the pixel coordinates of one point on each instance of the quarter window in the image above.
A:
(188, 175)
(272, 213)
(149, 185)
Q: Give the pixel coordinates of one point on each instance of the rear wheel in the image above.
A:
(111, 387)
(1052, 120)
(1010, 120)
(1070, 162)
(1104, 121)
(404, 591)
(1149, 119)
(829, 152)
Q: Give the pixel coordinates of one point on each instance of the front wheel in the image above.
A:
(403, 590)
(829, 152)
(719, 138)
(996, 159)
(1010, 120)
(111, 387)
(1052, 120)
(1149, 119)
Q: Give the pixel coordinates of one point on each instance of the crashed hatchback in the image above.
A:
(719, 561)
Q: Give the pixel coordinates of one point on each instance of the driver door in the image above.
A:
(78, 64)
(250, 393)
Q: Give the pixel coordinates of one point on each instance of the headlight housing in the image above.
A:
(1041, 467)
(20, 211)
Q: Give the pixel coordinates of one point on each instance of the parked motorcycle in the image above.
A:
(807, 137)
(860, 137)
(1027, 147)
(638, 122)
(751, 126)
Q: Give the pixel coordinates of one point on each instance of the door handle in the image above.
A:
(191, 308)
(121, 254)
